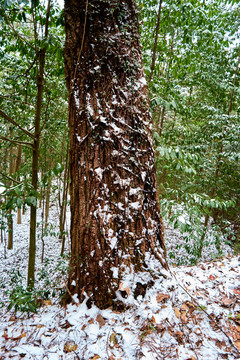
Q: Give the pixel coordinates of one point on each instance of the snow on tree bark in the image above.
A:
(116, 226)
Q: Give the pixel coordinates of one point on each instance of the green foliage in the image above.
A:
(19, 196)
(20, 49)
(52, 287)
(195, 106)
(21, 299)
(28, 301)
(189, 220)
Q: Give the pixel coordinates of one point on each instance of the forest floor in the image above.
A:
(192, 314)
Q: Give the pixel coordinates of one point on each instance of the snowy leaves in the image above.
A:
(166, 320)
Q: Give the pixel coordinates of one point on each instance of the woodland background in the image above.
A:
(191, 54)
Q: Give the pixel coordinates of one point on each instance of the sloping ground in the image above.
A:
(189, 313)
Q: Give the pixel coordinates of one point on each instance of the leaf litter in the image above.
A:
(192, 314)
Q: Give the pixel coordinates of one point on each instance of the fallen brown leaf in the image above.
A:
(39, 326)
(100, 320)
(199, 342)
(111, 358)
(19, 336)
(5, 335)
(179, 336)
(47, 302)
(153, 320)
(184, 317)
(211, 277)
(159, 328)
(235, 334)
(191, 307)
(113, 338)
(227, 302)
(184, 307)
(220, 344)
(237, 343)
(123, 287)
(70, 346)
(162, 297)
(177, 312)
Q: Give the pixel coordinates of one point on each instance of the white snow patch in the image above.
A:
(135, 205)
(99, 172)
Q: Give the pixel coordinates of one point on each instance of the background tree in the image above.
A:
(116, 226)
(191, 87)
(32, 99)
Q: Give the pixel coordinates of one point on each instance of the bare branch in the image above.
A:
(5, 116)
(10, 178)
(24, 143)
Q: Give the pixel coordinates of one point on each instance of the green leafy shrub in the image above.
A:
(22, 299)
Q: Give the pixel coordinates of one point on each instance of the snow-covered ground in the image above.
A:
(192, 314)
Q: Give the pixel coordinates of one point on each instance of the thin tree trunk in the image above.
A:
(17, 167)
(156, 40)
(63, 207)
(10, 230)
(33, 210)
(42, 193)
(19, 217)
(115, 216)
(237, 243)
(10, 219)
(42, 229)
(1, 225)
(161, 121)
(47, 205)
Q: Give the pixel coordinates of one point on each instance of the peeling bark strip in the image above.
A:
(116, 223)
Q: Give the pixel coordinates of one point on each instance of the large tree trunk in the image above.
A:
(115, 217)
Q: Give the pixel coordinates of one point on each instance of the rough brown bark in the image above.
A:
(116, 226)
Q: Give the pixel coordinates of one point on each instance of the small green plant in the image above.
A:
(63, 264)
(188, 218)
(22, 299)
(151, 327)
(43, 275)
